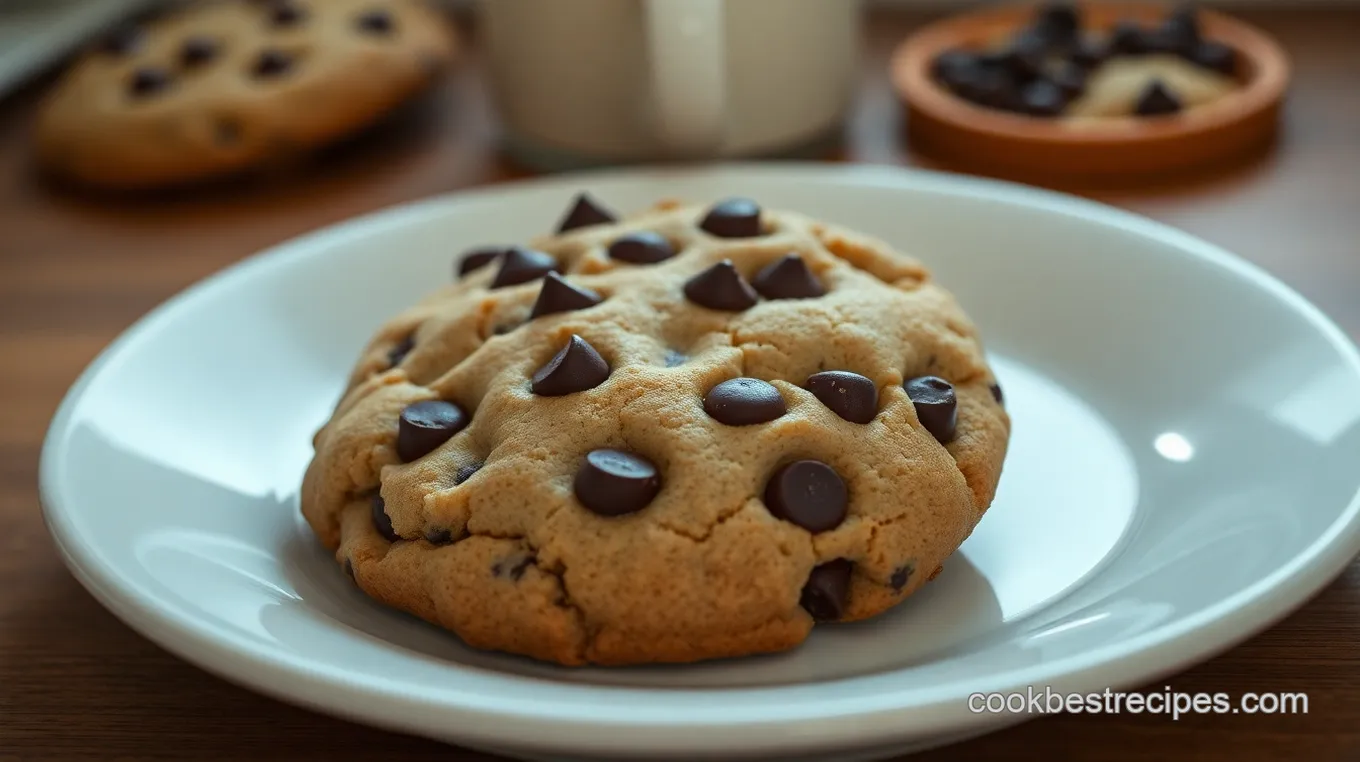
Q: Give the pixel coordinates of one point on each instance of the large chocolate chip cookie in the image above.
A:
(688, 434)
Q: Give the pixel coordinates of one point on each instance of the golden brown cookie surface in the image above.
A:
(227, 86)
(641, 441)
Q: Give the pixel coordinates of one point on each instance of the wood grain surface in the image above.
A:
(76, 270)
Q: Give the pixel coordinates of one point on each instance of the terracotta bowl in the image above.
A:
(946, 126)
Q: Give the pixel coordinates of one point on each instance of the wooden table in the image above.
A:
(75, 271)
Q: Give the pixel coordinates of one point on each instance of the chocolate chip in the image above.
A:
(1157, 100)
(271, 63)
(936, 406)
(148, 80)
(996, 392)
(424, 426)
(122, 41)
(954, 66)
(1069, 78)
(733, 218)
(674, 359)
(521, 265)
(1179, 32)
(196, 51)
(808, 493)
(466, 472)
(575, 368)
(478, 258)
(376, 21)
(849, 395)
(1042, 98)
(642, 248)
(557, 295)
(613, 483)
(1127, 38)
(721, 287)
(399, 350)
(744, 401)
(991, 87)
(787, 278)
(1089, 52)
(1058, 22)
(584, 212)
(439, 537)
(900, 576)
(1023, 58)
(283, 13)
(1214, 56)
(827, 590)
(381, 521)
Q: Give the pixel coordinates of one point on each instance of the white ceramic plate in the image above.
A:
(1182, 473)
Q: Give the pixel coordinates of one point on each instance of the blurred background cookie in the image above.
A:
(223, 87)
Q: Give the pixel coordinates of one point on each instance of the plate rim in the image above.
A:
(893, 715)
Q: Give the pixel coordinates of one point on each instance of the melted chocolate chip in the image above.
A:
(198, 50)
(613, 483)
(849, 395)
(996, 392)
(558, 295)
(585, 212)
(721, 287)
(424, 426)
(642, 248)
(381, 521)
(575, 368)
(521, 265)
(377, 21)
(1157, 100)
(148, 80)
(900, 576)
(744, 402)
(478, 258)
(399, 350)
(936, 405)
(439, 537)
(827, 590)
(787, 278)
(271, 63)
(733, 218)
(807, 493)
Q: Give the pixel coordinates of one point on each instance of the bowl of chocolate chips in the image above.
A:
(1091, 90)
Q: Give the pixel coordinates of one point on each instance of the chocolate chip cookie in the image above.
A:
(691, 433)
(228, 86)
